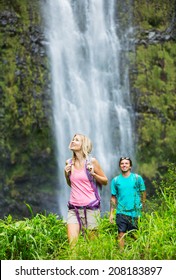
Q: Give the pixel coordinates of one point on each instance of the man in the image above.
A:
(128, 196)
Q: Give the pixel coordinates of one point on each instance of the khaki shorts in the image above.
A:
(93, 217)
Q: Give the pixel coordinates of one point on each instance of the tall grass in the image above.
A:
(32, 239)
(44, 236)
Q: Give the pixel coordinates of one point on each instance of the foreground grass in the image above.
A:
(43, 237)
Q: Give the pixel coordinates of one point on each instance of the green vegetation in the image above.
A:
(31, 239)
(156, 99)
(153, 86)
(28, 166)
(26, 144)
(155, 14)
(43, 237)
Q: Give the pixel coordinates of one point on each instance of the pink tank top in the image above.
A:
(82, 192)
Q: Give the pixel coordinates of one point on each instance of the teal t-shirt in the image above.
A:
(128, 191)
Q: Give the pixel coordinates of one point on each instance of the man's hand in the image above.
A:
(111, 218)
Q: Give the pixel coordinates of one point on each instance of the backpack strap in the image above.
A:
(116, 183)
(137, 183)
(69, 160)
(76, 209)
(93, 182)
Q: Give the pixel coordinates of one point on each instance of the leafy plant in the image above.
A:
(44, 236)
(38, 238)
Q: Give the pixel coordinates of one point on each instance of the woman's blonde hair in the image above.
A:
(86, 145)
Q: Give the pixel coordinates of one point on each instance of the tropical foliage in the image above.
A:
(43, 237)
(28, 167)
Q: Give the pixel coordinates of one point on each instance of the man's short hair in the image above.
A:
(128, 158)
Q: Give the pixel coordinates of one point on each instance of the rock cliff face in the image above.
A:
(28, 167)
(153, 85)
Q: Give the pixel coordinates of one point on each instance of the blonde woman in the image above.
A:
(83, 176)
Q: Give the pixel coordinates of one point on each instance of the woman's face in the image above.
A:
(76, 143)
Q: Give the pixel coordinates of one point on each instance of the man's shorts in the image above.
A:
(126, 223)
(92, 216)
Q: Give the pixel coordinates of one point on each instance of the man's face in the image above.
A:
(125, 165)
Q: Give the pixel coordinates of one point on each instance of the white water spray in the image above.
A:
(89, 84)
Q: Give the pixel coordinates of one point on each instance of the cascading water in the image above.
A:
(90, 87)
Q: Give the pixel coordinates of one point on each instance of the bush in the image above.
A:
(37, 238)
(43, 237)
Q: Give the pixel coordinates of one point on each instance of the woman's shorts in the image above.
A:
(126, 223)
(92, 216)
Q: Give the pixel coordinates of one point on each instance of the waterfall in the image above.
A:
(88, 49)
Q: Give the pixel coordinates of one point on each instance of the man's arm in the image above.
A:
(143, 198)
(113, 205)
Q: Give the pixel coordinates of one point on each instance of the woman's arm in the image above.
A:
(97, 172)
(67, 171)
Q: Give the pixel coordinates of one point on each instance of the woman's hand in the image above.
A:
(68, 169)
(90, 168)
